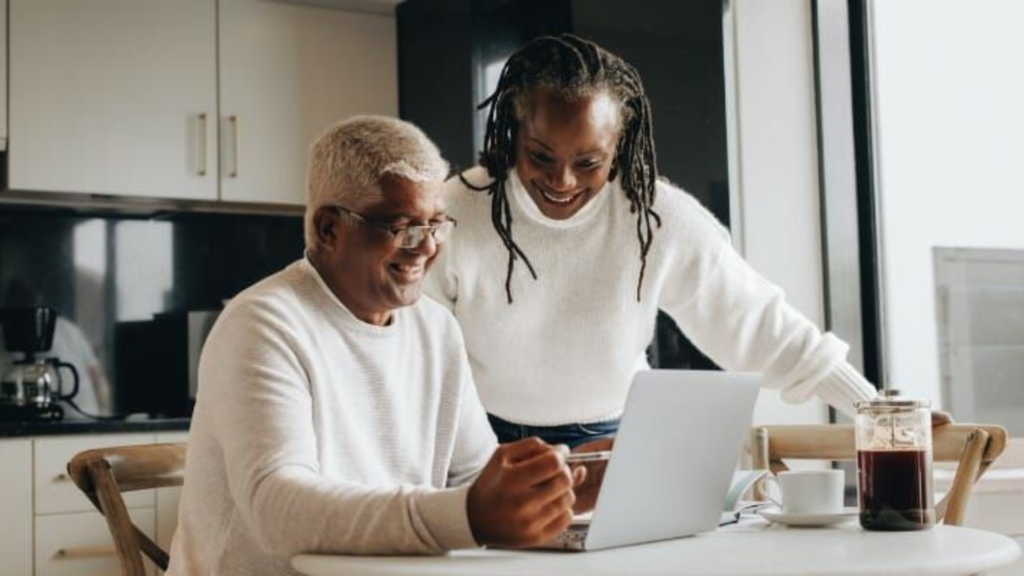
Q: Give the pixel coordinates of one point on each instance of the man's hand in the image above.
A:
(587, 492)
(523, 497)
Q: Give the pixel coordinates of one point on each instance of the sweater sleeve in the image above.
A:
(441, 283)
(251, 371)
(843, 387)
(742, 322)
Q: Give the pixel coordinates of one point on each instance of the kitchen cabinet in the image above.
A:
(190, 99)
(16, 507)
(71, 537)
(79, 544)
(50, 528)
(55, 492)
(287, 72)
(113, 97)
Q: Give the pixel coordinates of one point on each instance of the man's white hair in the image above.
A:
(349, 160)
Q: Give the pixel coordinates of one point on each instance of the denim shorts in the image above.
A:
(570, 434)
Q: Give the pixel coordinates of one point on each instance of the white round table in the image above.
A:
(752, 548)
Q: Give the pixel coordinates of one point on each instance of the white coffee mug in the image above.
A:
(807, 491)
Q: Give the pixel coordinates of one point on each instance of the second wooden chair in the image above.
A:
(974, 446)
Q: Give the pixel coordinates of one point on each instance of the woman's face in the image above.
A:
(565, 150)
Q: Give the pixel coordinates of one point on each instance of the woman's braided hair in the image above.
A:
(572, 68)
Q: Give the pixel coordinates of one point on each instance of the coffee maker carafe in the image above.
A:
(31, 388)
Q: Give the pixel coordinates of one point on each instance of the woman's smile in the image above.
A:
(561, 200)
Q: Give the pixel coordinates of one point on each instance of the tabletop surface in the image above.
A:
(753, 547)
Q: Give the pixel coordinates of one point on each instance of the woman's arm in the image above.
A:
(743, 322)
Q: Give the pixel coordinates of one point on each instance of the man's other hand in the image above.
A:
(523, 497)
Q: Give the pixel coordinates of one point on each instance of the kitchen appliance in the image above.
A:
(158, 362)
(894, 463)
(32, 386)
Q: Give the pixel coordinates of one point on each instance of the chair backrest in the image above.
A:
(974, 446)
(104, 473)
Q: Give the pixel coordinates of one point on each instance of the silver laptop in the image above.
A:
(675, 453)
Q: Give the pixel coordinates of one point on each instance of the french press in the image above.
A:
(894, 463)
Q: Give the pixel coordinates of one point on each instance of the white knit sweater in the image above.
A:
(316, 432)
(566, 349)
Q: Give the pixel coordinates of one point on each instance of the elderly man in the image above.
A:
(336, 408)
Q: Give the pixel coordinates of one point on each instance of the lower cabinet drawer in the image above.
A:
(54, 490)
(80, 544)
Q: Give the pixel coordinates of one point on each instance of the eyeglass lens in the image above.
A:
(414, 236)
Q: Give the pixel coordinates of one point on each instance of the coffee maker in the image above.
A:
(31, 387)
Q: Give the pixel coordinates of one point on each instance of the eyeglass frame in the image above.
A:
(400, 233)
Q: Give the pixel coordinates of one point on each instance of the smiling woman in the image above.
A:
(568, 185)
(681, 50)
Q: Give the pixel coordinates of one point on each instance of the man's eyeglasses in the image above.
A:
(405, 237)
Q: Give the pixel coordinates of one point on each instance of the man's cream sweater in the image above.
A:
(316, 432)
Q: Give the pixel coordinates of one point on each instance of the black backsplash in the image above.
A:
(105, 273)
(98, 271)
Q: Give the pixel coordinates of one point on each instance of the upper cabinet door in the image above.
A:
(114, 97)
(287, 73)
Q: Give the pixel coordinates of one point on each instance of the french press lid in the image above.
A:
(890, 400)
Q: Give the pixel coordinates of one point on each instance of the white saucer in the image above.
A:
(775, 515)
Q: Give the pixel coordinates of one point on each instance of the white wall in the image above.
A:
(3, 74)
(950, 126)
(776, 159)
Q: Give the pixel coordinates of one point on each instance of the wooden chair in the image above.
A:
(104, 473)
(974, 446)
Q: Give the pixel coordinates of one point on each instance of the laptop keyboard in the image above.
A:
(573, 536)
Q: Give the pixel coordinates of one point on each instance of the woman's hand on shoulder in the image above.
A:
(940, 418)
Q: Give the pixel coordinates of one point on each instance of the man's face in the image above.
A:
(366, 268)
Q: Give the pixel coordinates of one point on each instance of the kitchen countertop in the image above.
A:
(10, 429)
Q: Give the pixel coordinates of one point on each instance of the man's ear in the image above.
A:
(325, 223)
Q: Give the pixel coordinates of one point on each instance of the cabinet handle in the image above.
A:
(85, 552)
(235, 145)
(202, 144)
(62, 477)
